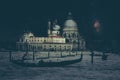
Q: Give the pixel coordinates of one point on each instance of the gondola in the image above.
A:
(47, 64)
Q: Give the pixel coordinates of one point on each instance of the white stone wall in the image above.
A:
(46, 40)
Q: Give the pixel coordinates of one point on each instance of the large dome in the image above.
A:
(70, 24)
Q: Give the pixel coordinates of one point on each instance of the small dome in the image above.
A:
(56, 27)
(28, 34)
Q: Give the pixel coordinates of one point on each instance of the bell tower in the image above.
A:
(49, 29)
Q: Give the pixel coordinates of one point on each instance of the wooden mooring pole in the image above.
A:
(104, 56)
(92, 57)
(10, 55)
(33, 55)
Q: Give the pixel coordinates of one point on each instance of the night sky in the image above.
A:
(18, 16)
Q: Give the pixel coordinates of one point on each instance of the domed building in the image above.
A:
(25, 37)
(70, 30)
(68, 39)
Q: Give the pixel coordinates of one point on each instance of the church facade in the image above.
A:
(57, 40)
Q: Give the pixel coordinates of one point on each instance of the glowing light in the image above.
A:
(96, 24)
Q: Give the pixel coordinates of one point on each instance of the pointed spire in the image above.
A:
(49, 23)
(69, 15)
(55, 22)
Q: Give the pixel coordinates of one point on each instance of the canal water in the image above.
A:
(100, 70)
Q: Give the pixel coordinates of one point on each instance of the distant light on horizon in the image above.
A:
(97, 25)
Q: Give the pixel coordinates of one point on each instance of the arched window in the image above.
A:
(72, 34)
(65, 35)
